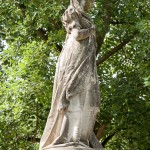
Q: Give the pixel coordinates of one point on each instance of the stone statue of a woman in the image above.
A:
(75, 100)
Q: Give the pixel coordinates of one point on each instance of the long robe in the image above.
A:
(75, 82)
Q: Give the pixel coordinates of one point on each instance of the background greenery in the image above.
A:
(34, 35)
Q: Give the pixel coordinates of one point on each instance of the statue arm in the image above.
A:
(81, 34)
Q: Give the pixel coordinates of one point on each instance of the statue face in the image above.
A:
(70, 19)
(69, 14)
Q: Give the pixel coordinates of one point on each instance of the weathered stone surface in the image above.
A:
(75, 101)
(68, 148)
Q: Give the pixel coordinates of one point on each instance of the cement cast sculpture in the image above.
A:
(75, 100)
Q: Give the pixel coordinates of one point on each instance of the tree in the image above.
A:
(34, 34)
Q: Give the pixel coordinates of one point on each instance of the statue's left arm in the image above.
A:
(81, 34)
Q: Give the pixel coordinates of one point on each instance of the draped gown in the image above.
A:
(75, 100)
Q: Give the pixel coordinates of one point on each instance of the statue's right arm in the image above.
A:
(80, 34)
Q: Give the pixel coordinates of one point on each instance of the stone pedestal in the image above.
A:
(68, 148)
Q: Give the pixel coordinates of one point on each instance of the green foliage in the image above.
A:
(34, 35)
(26, 88)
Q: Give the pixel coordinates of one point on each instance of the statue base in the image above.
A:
(72, 146)
(68, 148)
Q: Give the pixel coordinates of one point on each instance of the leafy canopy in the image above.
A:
(34, 35)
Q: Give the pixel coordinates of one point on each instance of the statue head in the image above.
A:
(70, 18)
(75, 16)
(69, 14)
(82, 5)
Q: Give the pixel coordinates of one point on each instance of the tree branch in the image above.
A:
(108, 138)
(101, 131)
(115, 49)
(33, 140)
(100, 39)
(106, 24)
(88, 4)
(121, 22)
